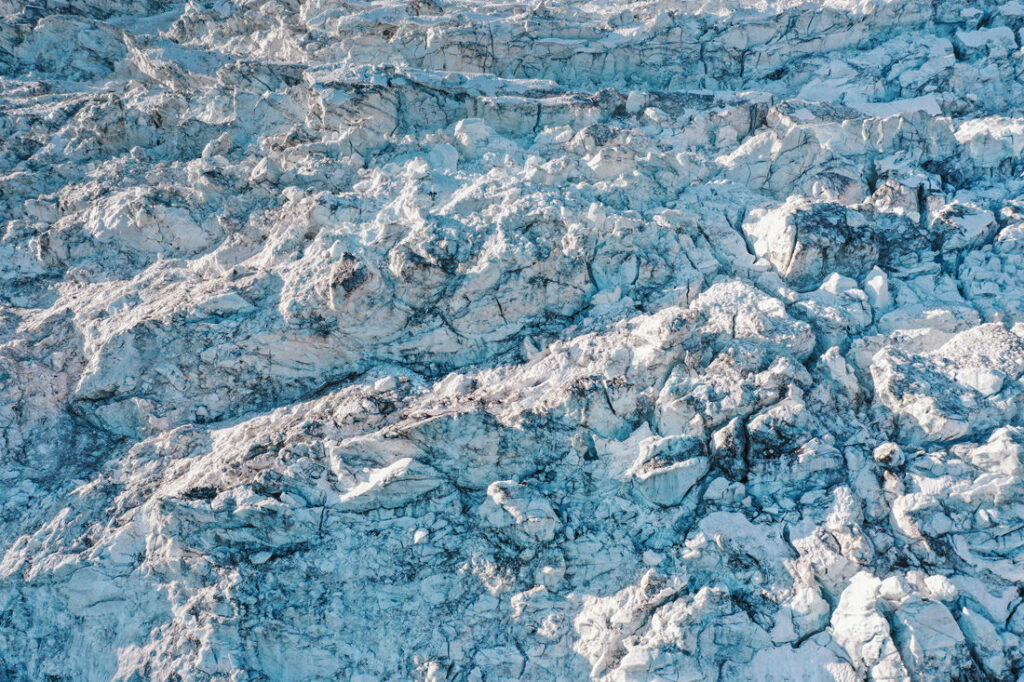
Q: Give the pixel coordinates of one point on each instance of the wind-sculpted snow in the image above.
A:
(461, 341)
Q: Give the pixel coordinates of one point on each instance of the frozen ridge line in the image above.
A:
(439, 340)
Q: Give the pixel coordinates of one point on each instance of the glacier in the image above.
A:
(475, 340)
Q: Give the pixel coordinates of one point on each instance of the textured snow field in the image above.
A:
(438, 340)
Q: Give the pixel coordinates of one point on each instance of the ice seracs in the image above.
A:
(469, 341)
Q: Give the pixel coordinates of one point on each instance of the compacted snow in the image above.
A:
(456, 340)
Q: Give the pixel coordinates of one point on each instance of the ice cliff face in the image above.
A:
(462, 341)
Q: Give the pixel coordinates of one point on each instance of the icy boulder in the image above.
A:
(667, 468)
(805, 241)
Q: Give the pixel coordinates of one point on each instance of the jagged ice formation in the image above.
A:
(380, 340)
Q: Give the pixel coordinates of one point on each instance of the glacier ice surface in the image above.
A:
(466, 340)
